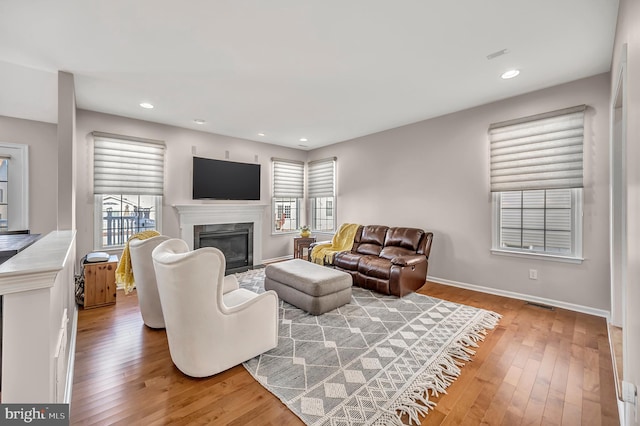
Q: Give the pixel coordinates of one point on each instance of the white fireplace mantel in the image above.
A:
(215, 214)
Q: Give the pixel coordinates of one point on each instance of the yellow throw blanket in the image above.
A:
(341, 241)
(124, 272)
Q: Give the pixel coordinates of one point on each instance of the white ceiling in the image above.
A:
(327, 70)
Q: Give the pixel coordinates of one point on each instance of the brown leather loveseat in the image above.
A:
(387, 260)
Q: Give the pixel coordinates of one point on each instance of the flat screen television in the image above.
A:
(225, 180)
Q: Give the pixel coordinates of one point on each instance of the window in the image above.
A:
(125, 215)
(537, 180)
(322, 214)
(540, 221)
(14, 187)
(4, 185)
(287, 217)
(128, 183)
(288, 190)
(322, 194)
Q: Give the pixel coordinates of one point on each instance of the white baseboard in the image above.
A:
(72, 357)
(277, 259)
(525, 297)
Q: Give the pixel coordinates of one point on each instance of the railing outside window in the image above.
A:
(125, 215)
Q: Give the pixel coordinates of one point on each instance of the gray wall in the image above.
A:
(628, 32)
(43, 168)
(66, 151)
(432, 174)
(180, 145)
(435, 175)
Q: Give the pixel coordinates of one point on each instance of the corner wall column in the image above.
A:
(66, 151)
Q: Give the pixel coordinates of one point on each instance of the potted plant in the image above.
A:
(305, 231)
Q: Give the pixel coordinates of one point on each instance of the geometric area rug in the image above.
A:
(370, 361)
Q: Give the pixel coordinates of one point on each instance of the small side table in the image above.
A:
(100, 283)
(300, 244)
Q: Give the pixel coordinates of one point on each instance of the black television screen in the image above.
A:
(225, 180)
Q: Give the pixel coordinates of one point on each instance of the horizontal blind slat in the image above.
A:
(537, 145)
(538, 161)
(527, 185)
(531, 169)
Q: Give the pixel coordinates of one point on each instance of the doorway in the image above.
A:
(618, 222)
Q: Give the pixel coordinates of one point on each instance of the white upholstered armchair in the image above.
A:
(145, 279)
(208, 330)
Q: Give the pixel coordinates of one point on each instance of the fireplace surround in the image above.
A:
(192, 215)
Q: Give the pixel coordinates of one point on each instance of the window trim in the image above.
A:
(97, 222)
(576, 232)
(20, 211)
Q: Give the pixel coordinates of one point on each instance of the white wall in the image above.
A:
(180, 144)
(435, 175)
(43, 168)
(628, 32)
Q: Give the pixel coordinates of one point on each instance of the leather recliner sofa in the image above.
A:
(387, 260)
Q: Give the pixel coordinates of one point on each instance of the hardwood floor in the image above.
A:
(538, 367)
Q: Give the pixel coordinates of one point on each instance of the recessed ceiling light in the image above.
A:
(303, 139)
(199, 121)
(260, 134)
(509, 74)
(146, 105)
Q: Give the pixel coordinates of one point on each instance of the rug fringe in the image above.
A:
(414, 402)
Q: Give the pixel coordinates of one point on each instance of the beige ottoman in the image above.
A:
(313, 288)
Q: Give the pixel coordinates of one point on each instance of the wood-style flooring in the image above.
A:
(538, 367)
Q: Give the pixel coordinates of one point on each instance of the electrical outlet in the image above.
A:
(630, 396)
(533, 274)
(628, 392)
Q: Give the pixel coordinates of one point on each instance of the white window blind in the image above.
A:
(544, 151)
(322, 178)
(288, 178)
(123, 165)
